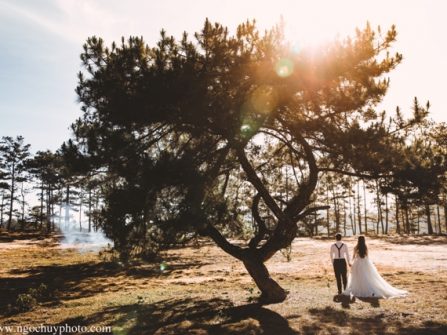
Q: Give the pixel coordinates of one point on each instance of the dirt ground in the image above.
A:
(201, 290)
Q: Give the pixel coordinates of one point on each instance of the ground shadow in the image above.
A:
(331, 320)
(220, 316)
(189, 316)
(79, 280)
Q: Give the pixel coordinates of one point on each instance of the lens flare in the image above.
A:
(284, 67)
(245, 128)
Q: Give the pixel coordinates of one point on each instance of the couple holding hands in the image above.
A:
(364, 280)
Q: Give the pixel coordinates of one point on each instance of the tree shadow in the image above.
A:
(79, 280)
(220, 316)
(189, 316)
(331, 320)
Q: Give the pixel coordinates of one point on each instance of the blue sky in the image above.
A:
(40, 43)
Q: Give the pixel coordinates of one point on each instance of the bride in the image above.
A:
(364, 280)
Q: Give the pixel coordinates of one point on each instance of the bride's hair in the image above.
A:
(361, 249)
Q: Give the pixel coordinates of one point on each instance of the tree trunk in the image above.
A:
(89, 210)
(359, 213)
(386, 213)
(445, 213)
(379, 209)
(80, 210)
(364, 205)
(41, 204)
(1, 209)
(22, 214)
(407, 219)
(403, 220)
(418, 222)
(48, 210)
(67, 205)
(344, 218)
(327, 213)
(397, 216)
(428, 213)
(352, 214)
(52, 221)
(336, 213)
(271, 292)
(11, 199)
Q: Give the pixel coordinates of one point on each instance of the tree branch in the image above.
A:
(300, 200)
(310, 211)
(257, 183)
(353, 174)
(262, 228)
(223, 243)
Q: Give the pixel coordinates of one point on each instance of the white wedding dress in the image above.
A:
(366, 282)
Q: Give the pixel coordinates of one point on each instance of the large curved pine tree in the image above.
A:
(202, 135)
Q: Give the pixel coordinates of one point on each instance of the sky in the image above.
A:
(41, 40)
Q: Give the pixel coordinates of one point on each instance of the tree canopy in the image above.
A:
(195, 136)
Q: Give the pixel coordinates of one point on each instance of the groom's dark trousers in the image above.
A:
(340, 270)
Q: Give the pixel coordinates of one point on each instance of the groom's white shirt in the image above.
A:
(344, 253)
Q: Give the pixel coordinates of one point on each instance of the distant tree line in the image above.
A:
(39, 191)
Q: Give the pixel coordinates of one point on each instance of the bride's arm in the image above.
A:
(354, 255)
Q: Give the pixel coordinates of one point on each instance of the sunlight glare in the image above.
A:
(284, 67)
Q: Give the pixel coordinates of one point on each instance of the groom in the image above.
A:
(339, 256)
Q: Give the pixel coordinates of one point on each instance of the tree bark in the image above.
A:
(22, 214)
(428, 213)
(379, 209)
(407, 219)
(1, 208)
(418, 222)
(271, 292)
(80, 210)
(397, 216)
(42, 190)
(89, 210)
(327, 212)
(48, 210)
(11, 199)
(386, 213)
(359, 212)
(67, 205)
(364, 205)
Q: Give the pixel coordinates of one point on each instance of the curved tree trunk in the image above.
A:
(271, 292)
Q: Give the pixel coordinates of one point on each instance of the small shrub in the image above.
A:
(25, 302)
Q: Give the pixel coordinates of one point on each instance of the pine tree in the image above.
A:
(169, 127)
(14, 155)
